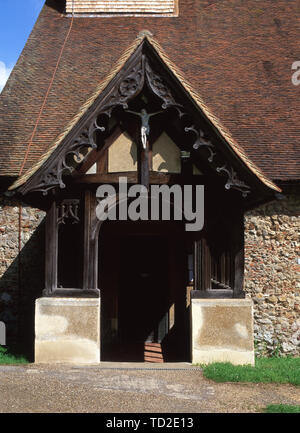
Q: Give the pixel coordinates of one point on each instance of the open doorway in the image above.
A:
(143, 279)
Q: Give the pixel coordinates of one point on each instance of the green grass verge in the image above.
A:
(266, 370)
(282, 408)
(6, 357)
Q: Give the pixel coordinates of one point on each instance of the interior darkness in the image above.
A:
(143, 279)
(70, 255)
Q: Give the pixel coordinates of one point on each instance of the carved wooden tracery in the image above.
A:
(68, 210)
(131, 83)
(141, 71)
(233, 181)
(52, 176)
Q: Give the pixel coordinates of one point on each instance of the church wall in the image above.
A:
(272, 275)
(17, 300)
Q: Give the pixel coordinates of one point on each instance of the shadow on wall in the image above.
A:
(17, 301)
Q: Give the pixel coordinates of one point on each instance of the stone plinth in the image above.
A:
(222, 331)
(67, 330)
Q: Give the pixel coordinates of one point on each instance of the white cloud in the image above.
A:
(4, 74)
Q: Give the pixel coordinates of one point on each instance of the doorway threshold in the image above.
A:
(106, 365)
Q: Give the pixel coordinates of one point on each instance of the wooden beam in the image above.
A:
(132, 177)
(86, 241)
(238, 255)
(197, 265)
(144, 174)
(51, 252)
(97, 155)
(211, 293)
(75, 293)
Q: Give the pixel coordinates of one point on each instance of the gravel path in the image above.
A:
(65, 388)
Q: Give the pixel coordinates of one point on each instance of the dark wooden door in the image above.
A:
(143, 289)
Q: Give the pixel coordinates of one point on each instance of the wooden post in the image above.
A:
(90, 254)
(94, 228)
(197, 265)
(86, 241)
(144, 168)
(51, 250)
(238, 256)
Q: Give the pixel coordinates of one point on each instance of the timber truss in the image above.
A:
(144, 68)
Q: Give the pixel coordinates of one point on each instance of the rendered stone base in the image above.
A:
(67, 330)
(222, 331)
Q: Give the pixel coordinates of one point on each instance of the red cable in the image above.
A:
(30, 144)
(41, 112)
(45, 99)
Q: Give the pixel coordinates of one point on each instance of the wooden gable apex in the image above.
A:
(146, 64)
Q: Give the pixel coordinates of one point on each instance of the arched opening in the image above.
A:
(144, 282)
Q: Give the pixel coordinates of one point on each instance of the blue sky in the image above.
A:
(17, 18)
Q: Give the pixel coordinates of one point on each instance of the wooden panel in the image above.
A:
(132, 177)
(144, 170)
(196, 170)
(166, 155)
(238, 255)
(87, 262)
(120, 6)
(197, 265)
(92, 169)
(51, 250)
(102, 163)
(75, 293)
(212, 293)
(122, 155)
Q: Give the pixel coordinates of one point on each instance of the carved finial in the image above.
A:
(144, 33)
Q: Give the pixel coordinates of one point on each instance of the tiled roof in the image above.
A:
(236, 55)
(120, 6)
(195, 96)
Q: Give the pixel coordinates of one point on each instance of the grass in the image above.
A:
(282, 408)
(6, 357)
(266, 370)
